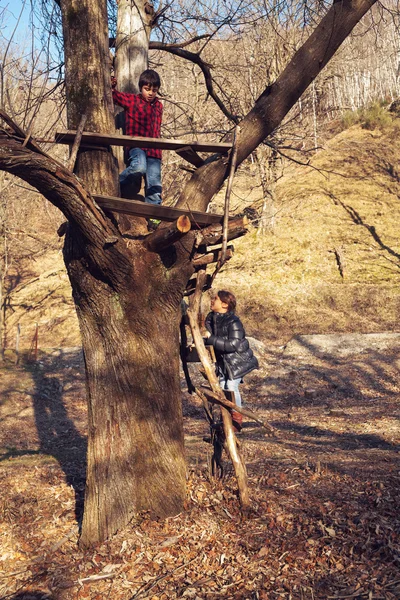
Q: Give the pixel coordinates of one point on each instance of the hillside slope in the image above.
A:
(330, 263)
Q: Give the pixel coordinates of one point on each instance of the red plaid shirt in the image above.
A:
(141, 118)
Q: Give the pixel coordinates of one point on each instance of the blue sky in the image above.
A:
(9, 12)
(16, 22)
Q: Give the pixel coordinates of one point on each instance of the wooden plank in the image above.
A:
(187, 153)
(105, 139)
(154, 211)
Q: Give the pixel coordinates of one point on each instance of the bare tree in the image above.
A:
(128, 285)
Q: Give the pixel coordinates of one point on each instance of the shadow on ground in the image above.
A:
(58, 435)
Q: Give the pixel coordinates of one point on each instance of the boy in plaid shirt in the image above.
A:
(143, 116)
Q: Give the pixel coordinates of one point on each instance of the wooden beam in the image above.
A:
(105, 139)
(156, 211)
(191, 156)
(201, 260)
(191, 284)
(212, 397)
(212, 235)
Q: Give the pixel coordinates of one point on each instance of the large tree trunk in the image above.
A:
(129, 321)
(127, 300)
(132, 42)
(130, 340)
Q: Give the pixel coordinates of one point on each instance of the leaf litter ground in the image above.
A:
(325, 515)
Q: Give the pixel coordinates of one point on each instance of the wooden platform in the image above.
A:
(103, 139)
(154, 211)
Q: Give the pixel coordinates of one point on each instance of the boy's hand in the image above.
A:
(113, 82)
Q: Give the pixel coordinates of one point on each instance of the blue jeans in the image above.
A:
(233, 386)
(140, 165)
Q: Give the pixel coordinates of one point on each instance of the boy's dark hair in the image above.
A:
(149, 77)
(228, 298)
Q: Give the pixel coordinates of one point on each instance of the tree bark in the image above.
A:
(129, 318)
(132, 42)
(128, 305)
(87, 79)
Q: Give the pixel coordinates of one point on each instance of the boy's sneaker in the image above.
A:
(152, 224)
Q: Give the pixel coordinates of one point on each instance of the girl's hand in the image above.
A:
(207, 334)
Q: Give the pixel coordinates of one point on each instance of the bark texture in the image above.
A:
(132, 42)
(87, 79)
(128, 316)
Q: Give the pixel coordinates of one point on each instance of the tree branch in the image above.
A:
(276, 100)
(52, 179)
(184, 44)
(213, 234)
(205, 68)
(164, 237)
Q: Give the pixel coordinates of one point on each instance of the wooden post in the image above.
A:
(33, 351)
(227, 200)
(231, 442)
(76, 144)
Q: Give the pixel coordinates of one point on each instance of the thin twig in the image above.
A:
(158, 579)
(94, 578)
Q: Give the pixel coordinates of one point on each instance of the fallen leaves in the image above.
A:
(325, 519)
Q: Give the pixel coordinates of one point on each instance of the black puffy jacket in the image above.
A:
(234, 355)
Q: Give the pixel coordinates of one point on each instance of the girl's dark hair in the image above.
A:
(228, 298)
(149, 77)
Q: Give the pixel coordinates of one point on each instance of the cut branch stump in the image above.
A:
(163, 237)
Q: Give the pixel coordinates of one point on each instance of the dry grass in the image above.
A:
(332, 260)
